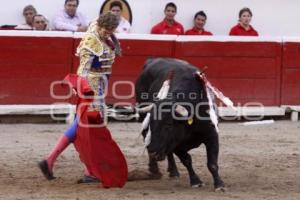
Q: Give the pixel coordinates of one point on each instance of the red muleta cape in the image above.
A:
(96, 148)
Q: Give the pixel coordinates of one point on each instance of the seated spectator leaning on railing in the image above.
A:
(169, 25)
(243, 28)
(69, 19)
(199, 23)
(117, 8)
(40, 23)
(28, 13)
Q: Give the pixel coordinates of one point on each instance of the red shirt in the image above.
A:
(194, 31)
(163, 28)
(239, 30)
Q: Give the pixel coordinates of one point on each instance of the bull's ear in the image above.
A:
(181, 111)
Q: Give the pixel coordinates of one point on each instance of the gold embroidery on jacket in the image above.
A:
(92, 47)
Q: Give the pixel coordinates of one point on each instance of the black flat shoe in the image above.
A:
(88, 179)
(43, 165)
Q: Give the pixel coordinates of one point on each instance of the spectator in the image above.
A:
(243, 28)
(40, 23)
(28, 12)
(117, 8)
(169, 25)
(199, 23)
(70, 19)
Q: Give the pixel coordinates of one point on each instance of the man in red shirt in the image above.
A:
(169, 25)
(243, 28)
(199, 23)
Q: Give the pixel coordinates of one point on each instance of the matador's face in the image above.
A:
(104, 33)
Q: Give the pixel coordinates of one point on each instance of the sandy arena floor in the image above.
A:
(256, 162)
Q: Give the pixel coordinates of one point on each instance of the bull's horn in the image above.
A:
(181, 111)
(145, 109)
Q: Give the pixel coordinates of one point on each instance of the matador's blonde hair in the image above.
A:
(108, 21)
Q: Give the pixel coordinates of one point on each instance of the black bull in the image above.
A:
(170, 131)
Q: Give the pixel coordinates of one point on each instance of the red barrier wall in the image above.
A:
(247, 71)
(291, 74)
(244, 71)
(28, 65)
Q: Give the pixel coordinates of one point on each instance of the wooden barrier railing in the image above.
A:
(265, 70)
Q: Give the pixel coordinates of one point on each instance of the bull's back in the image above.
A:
(156, 71)
(160, 67)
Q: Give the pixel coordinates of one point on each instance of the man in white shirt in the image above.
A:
(70, 19)
(117, 8)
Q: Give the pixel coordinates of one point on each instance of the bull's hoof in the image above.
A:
(155, 176)
(220, 186)
(198, 185)
(154, 172)
(153, 169)
(221, 189)
(43, 165)
(196, 182)
(174, 174)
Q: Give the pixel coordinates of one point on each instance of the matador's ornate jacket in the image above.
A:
(96, 59)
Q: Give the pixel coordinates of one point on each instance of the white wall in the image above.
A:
(271, 17)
